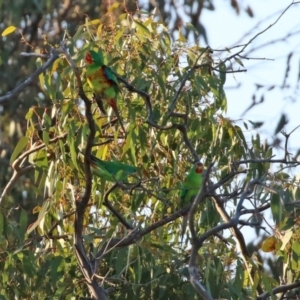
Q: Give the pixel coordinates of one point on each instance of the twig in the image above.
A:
(279, 289)
(244, 46)
(15, 92)
(147, 99)
(18, 171)
(16, 175)
(113, 210)
(188, 143)
(287, 136)
(138, 233)
(50, 232)
(35, 54)
(195, 276)
(173, 103)
(145, 95)
(256, 210)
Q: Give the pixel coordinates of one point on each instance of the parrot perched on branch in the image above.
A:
(103, 82)
(113, 171)
(189, 190)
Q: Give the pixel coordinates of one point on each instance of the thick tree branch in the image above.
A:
(85, 265)
(137, 233)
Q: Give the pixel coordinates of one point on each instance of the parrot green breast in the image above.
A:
(193, 182)
(111, 170)
(102, 81)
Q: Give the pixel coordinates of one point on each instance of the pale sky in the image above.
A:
(226, 29)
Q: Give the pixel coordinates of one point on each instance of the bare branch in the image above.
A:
(188, 143)
(232, 223)
(113, 210)
(14, 93)
(256, 210)
(145, 95)
(195, 279)
(279, 289)
(137, 233)
(261, 32)
(16, 175)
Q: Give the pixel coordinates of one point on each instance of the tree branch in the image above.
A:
(279, 289)
(87, 268)
(113, 210)
(15, 92)
(18, 171)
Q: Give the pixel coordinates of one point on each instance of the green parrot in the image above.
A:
(189, 190)
(103, 82)
(113, 171)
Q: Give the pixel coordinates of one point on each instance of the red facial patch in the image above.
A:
(199, 168)
(112, 103)
(89, 58)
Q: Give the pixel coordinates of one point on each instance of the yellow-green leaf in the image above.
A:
(222, 69)
(9, 30)
(20, 146)
(40, 218)
(239, 61)
(93, 22)
(141, 28)
(46, 137)
(113, 7)
(286, 238)
(36, 209)
(269, 244)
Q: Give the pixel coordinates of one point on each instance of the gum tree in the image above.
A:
(121, 240)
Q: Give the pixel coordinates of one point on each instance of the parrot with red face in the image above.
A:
(103, 82)
(189, 190)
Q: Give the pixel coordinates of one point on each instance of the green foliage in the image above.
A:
(143, 54)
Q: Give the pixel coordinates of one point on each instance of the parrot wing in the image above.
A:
(112, 170)
(99, 169)
(110, 75)
(189, 190)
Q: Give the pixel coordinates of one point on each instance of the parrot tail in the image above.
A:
(113, 105)
(99, 103)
